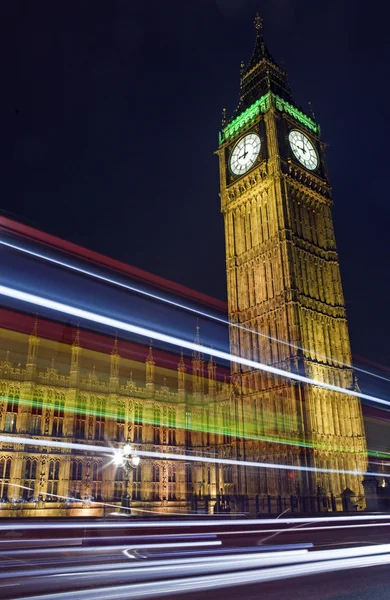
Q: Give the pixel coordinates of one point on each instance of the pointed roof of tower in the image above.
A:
(76, 341)
(34, 332)
(115, 349)
(260, 50)
(197, 355)
(149, 358)
(181, 366)
(261, 74)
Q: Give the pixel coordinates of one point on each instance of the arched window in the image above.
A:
(53, 479)
(97, 472)
(30, 471)
(36, 416)
(119, 474)
(80, 419)
(171, 474)
(171, 427)
(100, 419)
(226, 424)
(138, 418)
(12, 411)
(120, 424)
(156, 473)
(137, 483)
(156, 425)
(77, 470)
(58, 416)
(5, 468)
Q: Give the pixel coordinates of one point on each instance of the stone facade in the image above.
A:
(76, 404)
(285, 295)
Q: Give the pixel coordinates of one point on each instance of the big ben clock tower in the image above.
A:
(284, 292)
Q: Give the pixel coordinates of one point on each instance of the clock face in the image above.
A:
(245, 153)
(303, 149)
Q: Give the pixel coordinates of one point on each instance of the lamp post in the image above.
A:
(127, 460)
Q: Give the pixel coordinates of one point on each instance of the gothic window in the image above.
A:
(5, 468)
(12, 411)
(188, 473)
(137, 484)
(36, 416)
(120, 424)
(171, 474)
(97, 473)
(5, 474)
(96, 491)
(100, 420)
(156, 425)
(119, 474)
(206, 427)
(77, 470)
(228, 474)
(80, 419)
(30, 475)
(138, 414)
(171, 427)
(30, 471)
(118, 491)
(188, 428)
(226, 424)
(58, 417)
(53, 478)
(156, 473)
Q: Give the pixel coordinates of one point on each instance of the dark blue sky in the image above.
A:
(110, 112)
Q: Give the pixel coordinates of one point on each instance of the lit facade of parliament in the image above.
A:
(283, 282)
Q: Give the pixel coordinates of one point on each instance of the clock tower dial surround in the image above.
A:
(285, 293)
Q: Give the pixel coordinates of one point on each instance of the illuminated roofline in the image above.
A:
(261, 106)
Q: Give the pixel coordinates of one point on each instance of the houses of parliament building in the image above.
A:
(285, 309)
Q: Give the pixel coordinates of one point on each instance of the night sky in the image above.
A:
(110, 112)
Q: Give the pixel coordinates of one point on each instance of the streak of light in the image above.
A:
(130, 549)
(90, 411)
(231, 573)
(192, 523)
(173, 456)
(148, 421)
(179, 305)
(168, 339)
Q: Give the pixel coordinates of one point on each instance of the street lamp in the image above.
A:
(127, 460)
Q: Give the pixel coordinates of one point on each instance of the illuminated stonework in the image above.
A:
(284, 281)
(69, 400)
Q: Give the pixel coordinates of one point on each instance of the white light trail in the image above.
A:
(179, 305)
(185, 457)
(174, 545)
(16, 525)
(168, 339)
(235, 572)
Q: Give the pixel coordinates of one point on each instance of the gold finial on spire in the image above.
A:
(52, 363)
(258, 22)
(7, 356)
(223, 117)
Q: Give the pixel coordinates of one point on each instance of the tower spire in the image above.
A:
(261, 74)
(150, 370)
(114, 363)
(258, 22)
